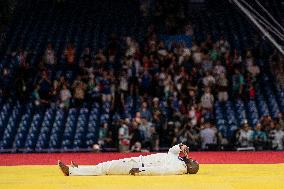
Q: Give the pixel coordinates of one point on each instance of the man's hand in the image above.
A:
(133, 171)
(184, 150)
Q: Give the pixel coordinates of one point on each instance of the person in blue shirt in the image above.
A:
(259, 137)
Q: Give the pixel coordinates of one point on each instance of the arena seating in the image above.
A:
(24, 126)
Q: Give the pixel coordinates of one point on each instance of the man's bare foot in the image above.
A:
(63, 168)
(73, 164)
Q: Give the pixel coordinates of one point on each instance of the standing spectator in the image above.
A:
(276, 135)
(190, 136)
(69, 54)
(259, 137)
(145, 129)
(244, 136)
(253, 70)
(123, 85)
(21, 58)
(208, 80)
(238, 84)
(208, 136)
(79, 88)
(104, 139)
(145, 112)
(222, 87)
(123, 136)
(207, 100)
(135, 134)
(49, 55)
(87, 58)
(223, 45)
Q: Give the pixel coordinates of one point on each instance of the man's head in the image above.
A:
(192, 166)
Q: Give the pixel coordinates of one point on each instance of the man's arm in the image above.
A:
(156, 170)
(176, 149)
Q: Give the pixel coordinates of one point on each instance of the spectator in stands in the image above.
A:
(44, 87)
(123, 85)
(190, 135)
(104, 137)
(238, 84)
(259, 137)
(137, 147)
(276, 135)
(65, 97)
(222, 87)
(79, 88)
(244, 136)
(49, 55)
(208, 136)
(254, 70)
(87, 58)
(123, 136)
(223, 45)
(207, 100)
(145, 130)
(21, 57)
(145, 111)
(279, 120)
(36, 96)
(69, 54)
(106, 87)
(100, 59)
(219, 69)
(208, 80)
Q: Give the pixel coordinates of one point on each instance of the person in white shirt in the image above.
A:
(207, 100)
(208, 136)
(175, 162)
(244, 136)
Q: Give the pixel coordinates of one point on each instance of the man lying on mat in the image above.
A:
(175, 162)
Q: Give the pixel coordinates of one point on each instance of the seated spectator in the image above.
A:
(259, 137)
(244, 136)
(65, 96)
(36, 96)
(137, 147)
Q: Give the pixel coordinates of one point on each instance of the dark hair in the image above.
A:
(192, 166)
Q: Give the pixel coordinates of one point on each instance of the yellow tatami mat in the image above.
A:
(227, 176)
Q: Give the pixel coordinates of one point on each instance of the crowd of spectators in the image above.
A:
(174, 88)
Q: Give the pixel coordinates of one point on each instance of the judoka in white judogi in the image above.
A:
(155, 164)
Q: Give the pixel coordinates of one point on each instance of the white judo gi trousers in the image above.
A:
(155, 164)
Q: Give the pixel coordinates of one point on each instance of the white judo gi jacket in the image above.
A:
(155, 164)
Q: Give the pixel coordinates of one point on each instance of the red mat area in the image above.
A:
(94, 158)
